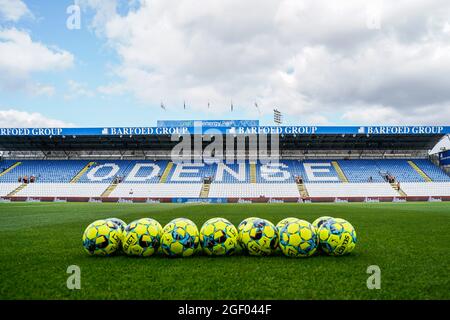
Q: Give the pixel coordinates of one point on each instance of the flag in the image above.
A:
(208, 104)
(232, 106)
(184, 105)
(162, 106)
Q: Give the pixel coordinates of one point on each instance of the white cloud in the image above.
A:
(112, 89)
(39, 89)
(20, 119)
(13, 10)
(372, 115)
(18, 53)
(78, 90)
(307, 57)
(21, 57)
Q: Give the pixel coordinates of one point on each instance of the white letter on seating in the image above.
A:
(271, 172)
(153, 173)
(114, 169)
(180, 169)
(222, 167)
(310, 171)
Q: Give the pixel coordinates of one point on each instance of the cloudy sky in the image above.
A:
(319, 62)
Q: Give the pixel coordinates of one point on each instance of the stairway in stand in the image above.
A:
(82, 171)
(339, 171)
(15, 191)
(399, 190)
(252, 172)
(10, 168)
(166, 173)
(205, 190)
(109, 190)
(302, 189)
(420, 171)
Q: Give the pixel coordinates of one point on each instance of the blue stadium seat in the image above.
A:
(431, 170)
(284, 171)
(45, 170)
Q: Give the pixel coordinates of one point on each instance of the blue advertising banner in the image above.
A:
(297, 130)
(197, 200)
(444, 158)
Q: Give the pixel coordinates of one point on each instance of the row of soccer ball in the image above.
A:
(218, 237)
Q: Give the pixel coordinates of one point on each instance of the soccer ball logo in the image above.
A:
(180, 238)
(218, 237)
(319, 221)
(101, 238)
(142, 237)
(298, 239)
(259, 237)
(280, 225)
(337, 237)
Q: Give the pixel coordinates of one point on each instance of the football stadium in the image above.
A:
(55, 182)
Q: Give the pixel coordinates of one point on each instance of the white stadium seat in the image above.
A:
(426, 189)
(157, 190)
(253, 190)
(63, 190)
(7, 188)
(343, 190)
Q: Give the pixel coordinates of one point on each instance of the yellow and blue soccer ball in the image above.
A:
(280, 225)
(122, 225)
(298, 239)
(259, 237)
(180, 238)
(245, 222)
(319, 221)
(218, 237)
(241, 226)
(101, 238)
(142, 237)
(337, 237)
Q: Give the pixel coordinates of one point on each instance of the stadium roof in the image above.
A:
(159, 138)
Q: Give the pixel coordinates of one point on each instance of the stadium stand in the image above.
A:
(312, 163)
(45, 170)
(7, 188)
(62, 190)
(431, 189)
(144, 178)
(161, 190)
(435, 173)
(267, 190)
(191, 172)
(400, 169)
(345, 190)
(361, 170)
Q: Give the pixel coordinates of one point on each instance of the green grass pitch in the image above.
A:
(409, 241)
